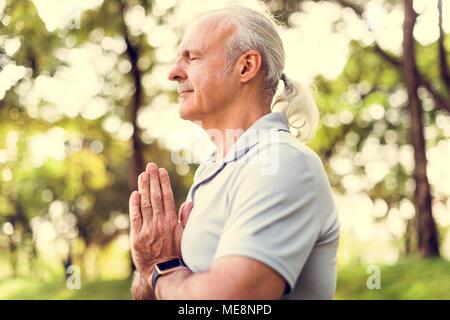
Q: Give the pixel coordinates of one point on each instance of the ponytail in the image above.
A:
(299, 107)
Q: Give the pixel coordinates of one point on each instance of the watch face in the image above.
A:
(169, 264)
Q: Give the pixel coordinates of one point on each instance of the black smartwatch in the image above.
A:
(166, 267)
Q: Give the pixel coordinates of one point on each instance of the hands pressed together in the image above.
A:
(155, 227)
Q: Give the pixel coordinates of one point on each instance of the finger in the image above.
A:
(155, 190)
(181, 210)
(184, 217)
(135, 213)
(146, 206)
(167, 193)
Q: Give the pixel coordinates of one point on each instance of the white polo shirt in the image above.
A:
(269, 199)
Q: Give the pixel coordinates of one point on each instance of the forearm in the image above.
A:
(249, 280)
(140, 289)
(183, 284)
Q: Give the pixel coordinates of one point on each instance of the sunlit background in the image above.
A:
(73, 73)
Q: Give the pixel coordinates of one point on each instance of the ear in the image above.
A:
(249, 65)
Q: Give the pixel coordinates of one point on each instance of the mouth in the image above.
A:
(181, 93)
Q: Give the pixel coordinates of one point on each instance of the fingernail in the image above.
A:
(162, 171)
(151, 166)
(145, 177)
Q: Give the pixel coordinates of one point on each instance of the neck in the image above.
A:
(225, 127)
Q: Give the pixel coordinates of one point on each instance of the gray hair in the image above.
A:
(256, 31)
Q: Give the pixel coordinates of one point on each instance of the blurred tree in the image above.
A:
(36, 56)
(83, 191)
(427, 233)
(377, 92)
(428, 243)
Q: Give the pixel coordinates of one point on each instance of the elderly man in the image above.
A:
(259, 221)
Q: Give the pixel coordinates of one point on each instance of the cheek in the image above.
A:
(204, 87)
(210, 85)
(213, 81)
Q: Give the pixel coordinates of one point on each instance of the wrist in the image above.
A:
(140, 280)
(147, 276)
(140, 288)
(169, 285)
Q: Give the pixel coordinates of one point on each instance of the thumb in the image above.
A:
(185, 211)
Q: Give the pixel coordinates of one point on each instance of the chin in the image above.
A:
(188, 113)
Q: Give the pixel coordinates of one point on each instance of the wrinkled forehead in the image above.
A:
(206, 33)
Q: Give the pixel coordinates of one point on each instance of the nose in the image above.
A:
(177, 72)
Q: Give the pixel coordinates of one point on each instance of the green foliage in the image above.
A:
(92, 181)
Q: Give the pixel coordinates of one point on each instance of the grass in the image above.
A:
(24, 288)
(409, 279)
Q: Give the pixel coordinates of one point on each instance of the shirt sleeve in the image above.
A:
(273, 218)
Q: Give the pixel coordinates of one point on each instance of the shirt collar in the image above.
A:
(260, 128)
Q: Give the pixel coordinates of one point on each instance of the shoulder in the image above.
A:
(285, 168)
(288, 175)
(281, 156)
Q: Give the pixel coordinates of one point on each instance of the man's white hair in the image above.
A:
(256, 31)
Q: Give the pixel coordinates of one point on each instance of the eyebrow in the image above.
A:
(187, 52)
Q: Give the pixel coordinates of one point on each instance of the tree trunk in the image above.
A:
(408, 237)
(427, 233)
(13, 256)
(133, 56)
(132, 52)
(67, 262)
